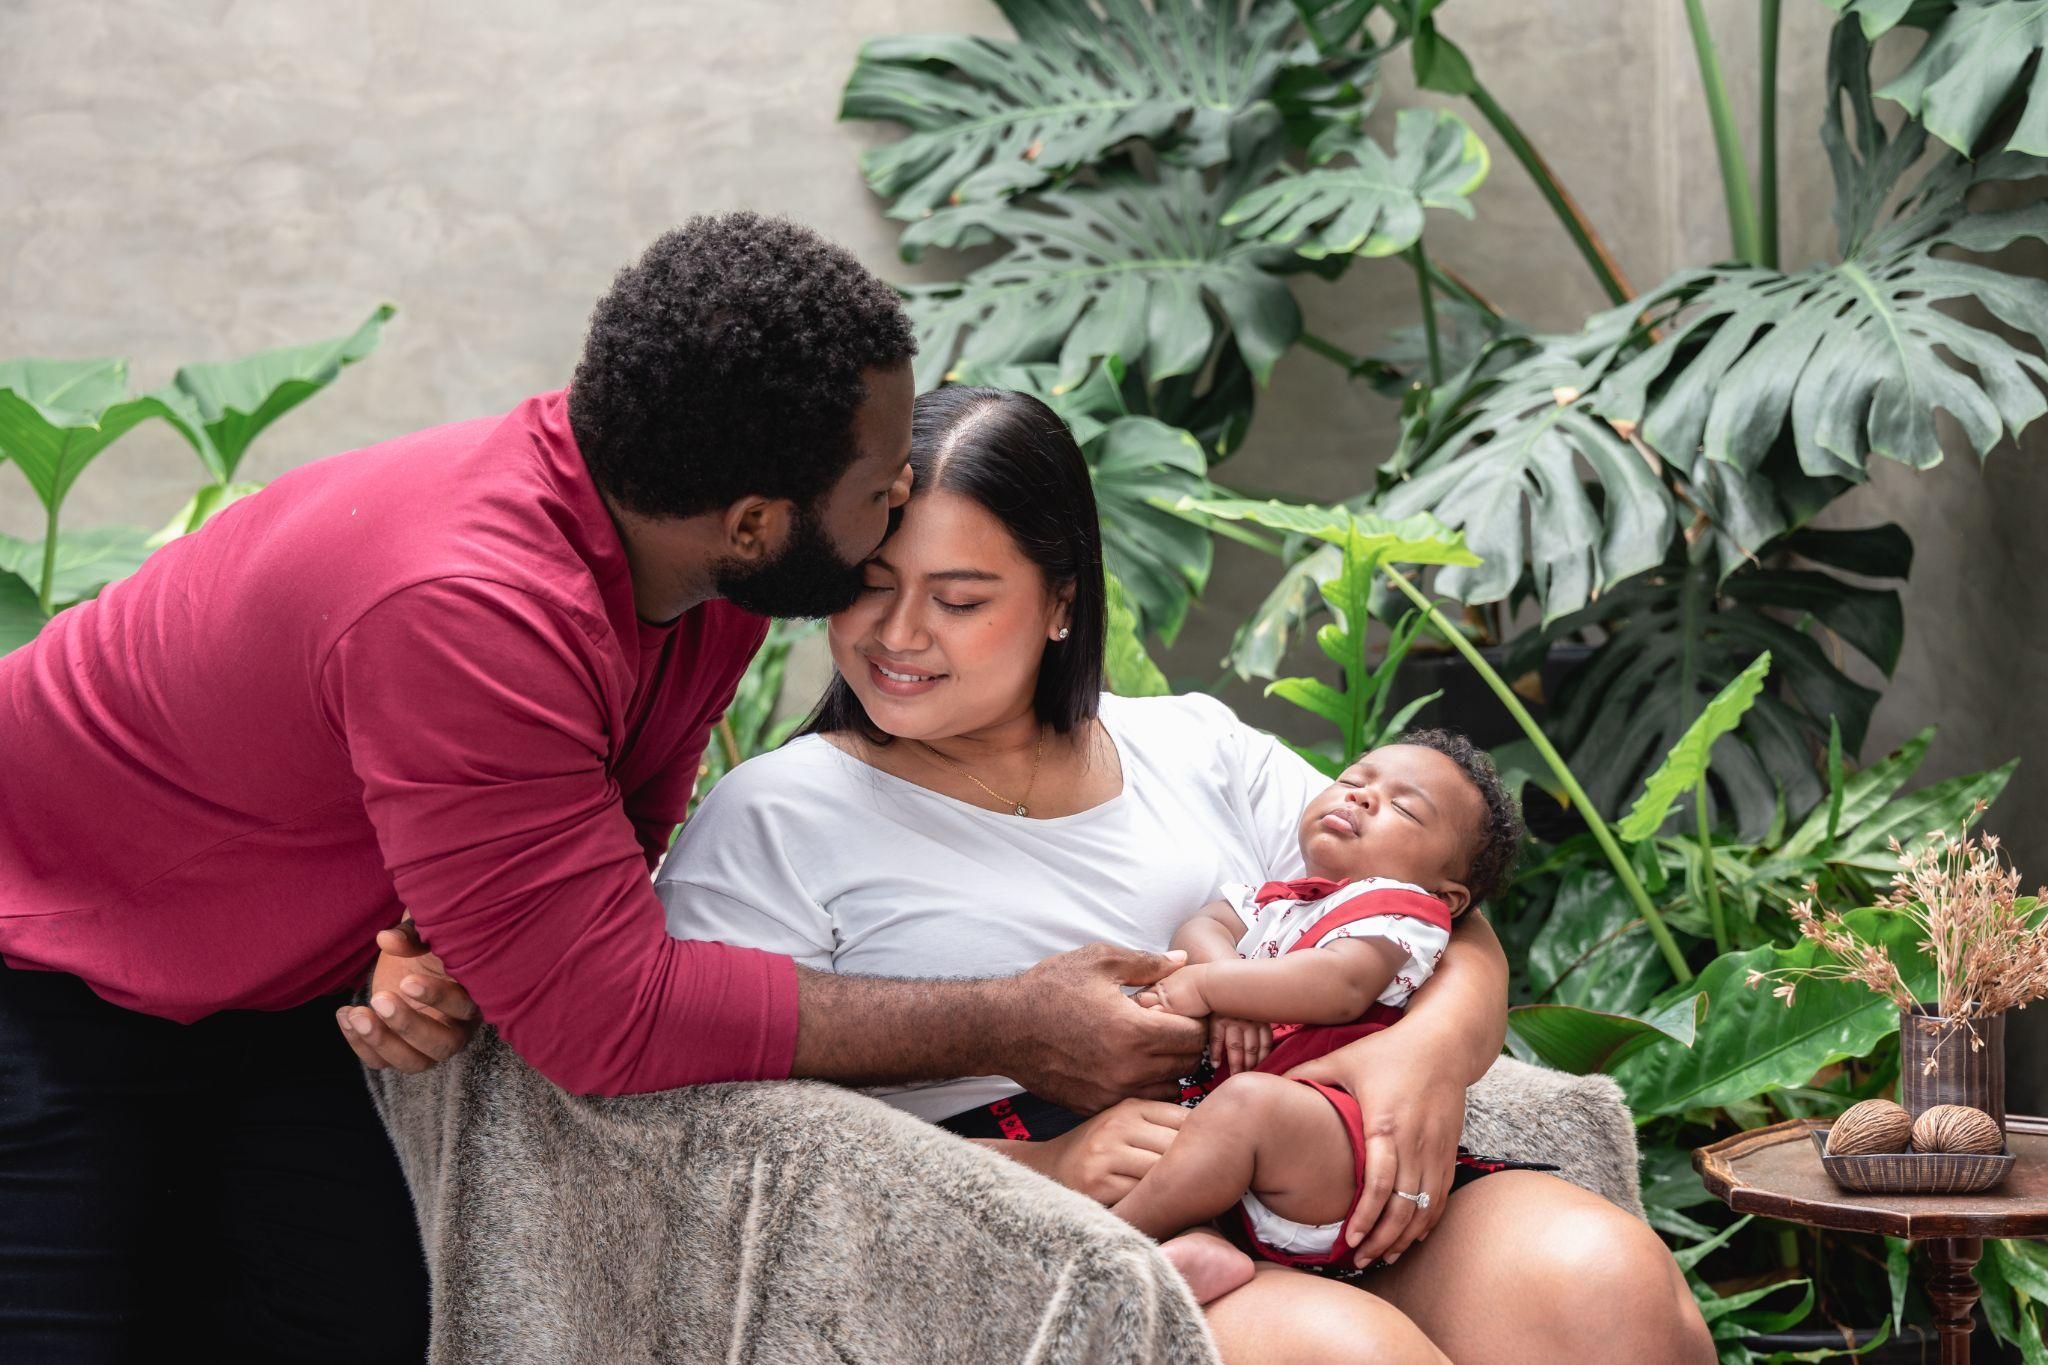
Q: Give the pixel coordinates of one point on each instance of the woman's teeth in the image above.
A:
(894, 676)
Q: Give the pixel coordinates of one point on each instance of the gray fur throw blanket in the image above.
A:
(794, 1222)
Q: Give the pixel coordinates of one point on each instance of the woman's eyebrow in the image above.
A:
(967, 575)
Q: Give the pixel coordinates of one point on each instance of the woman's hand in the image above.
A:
(1241, 1043)
(1110, 1153)
(1413, 1104)
(418, 1016)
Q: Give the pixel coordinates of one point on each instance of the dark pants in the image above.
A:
(220, 1189)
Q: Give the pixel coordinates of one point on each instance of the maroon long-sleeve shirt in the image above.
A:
(408, 677)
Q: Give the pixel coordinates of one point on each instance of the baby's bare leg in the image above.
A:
(1277, 1138)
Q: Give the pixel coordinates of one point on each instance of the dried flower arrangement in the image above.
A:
(1989, 953)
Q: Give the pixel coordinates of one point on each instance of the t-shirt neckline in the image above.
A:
(1100, 808)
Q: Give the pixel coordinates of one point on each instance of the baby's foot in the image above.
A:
(1211, 1266)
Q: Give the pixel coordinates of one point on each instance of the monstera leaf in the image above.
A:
(988, 119)
(1879, 17)
(1971, 68)
(1676, 637)
(1854, 358)
(1129, 267)
(1497, 452)
(1374, 206)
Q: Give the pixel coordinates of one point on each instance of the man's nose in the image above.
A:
(899, 491)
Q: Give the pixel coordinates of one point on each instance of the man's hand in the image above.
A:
(1085, 1044)
(1414, 1111)
(418, 1016)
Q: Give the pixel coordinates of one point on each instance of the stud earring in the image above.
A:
(1064, 632)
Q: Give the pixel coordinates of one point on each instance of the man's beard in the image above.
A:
(807, 579)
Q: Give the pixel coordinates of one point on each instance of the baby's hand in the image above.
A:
(1241, 1043)
(1178, 993)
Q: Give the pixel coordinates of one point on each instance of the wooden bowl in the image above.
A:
(1913, 1172)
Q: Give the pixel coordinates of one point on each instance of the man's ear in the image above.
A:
(755, 528)
(1457, 896)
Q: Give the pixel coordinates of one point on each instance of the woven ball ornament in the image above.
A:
(1870, 1127)
(1957, 1128)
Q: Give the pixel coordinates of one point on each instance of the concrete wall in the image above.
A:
(201, 179)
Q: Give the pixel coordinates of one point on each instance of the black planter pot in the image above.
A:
(1468, 705)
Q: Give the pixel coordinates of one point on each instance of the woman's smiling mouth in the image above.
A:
(900, 681)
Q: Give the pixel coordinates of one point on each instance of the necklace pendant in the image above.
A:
(1022, 811)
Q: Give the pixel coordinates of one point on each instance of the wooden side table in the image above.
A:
(1775, 1172)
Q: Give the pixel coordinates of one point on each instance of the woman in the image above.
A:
(966, 802)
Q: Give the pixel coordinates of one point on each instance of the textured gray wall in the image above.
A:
(202, 179)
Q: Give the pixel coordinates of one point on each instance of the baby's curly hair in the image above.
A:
(726, 362)
(1500, 834)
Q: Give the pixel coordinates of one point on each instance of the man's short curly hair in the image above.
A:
(726, 362)
(1498, 840)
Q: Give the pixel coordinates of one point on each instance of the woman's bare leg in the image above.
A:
(1275, 1137)
(1288, 1317)
(1525, 1269)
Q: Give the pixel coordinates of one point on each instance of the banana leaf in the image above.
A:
(1686, 764)
(1129, 267)
(1584, 1041)
(1971, 68)
(1755, 1043)
(1375, 205)
(988, 119)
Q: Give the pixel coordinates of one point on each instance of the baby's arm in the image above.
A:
(1212, 935)
(1331, 984)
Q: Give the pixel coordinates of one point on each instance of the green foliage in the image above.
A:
(1581, 1040)
(750, 725)
(1686, 765)
(1129, 669)
(57, 416)
(1970, 70)
(1373, 206)
(988, 119)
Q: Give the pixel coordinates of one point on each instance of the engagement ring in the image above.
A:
(1421, 1200)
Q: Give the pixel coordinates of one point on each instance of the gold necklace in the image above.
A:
(1018, 808)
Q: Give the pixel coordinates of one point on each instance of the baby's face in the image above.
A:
(1402, 812)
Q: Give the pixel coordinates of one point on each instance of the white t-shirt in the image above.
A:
(810, 852)
(1275, 927)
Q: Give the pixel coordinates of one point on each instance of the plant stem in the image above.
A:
(1598, 257)
(49, 580)
(1767, 138)
(1623, 871)
(728, 742)
(1727, 140)
(1453, 283)
(1436, 355)
(1699, 801)
(1330, 350)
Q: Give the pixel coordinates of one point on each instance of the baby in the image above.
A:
(1407, 839)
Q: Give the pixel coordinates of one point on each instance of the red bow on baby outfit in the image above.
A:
(1300, 889)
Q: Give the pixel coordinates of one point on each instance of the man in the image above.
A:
(467, 674)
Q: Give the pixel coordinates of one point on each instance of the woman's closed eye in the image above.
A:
(959, 608)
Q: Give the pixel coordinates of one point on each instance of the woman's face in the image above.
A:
(947, 635)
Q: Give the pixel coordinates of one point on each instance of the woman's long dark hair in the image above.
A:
(1013, 456)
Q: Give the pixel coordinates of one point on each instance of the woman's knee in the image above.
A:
(1613, 1291)
(1288, 1316)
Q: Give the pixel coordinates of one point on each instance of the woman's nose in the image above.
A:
(902, 630)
